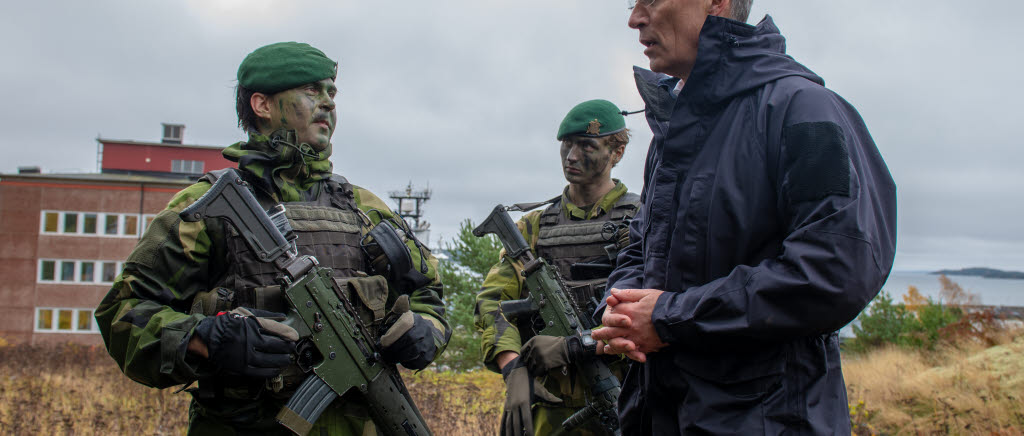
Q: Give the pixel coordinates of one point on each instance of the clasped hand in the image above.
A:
(627, 324)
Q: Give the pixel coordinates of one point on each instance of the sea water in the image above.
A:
(995, 292)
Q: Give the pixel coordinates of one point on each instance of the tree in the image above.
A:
(954, 295)
(883, 322)
(916, 324)
(913, 299)
(469, 259)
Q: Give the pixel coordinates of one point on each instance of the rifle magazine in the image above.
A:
(306, 405)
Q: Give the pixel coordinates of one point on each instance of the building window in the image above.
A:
(65, 320)
(131, 225)
(44, 319)
(187, 166)
(93, 223)
(67, 271)
(78, 272)
(89, 224)
(84, 320)
(70, 222)
(46, 270)
(51, 221)
(173, 133)
(111, 224)
(109, 272)
(87, 270)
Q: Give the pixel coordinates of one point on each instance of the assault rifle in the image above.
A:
(320, 312)
(548, 308)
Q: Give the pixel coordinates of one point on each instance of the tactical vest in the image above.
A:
(329, 228)
(566, 244)
(583, 252)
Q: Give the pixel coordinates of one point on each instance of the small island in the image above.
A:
(982, 272)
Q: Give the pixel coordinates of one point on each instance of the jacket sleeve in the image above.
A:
(503, 282)
(427, 300)
(837, 202)
(144, 317)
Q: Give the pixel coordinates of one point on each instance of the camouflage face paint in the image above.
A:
(309, 110)
(586, 160)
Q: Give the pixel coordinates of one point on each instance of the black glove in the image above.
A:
(246, 344)
(541, 354)
(521, 390)
(410, 339)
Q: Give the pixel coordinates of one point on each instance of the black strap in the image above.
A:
(526, 207)
(265, 298)
(215, 175)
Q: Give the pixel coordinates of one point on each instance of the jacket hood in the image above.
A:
(289, 170)
(732, 58)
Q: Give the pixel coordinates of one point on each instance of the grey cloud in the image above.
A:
(466, 95)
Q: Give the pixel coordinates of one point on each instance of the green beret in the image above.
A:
(284, 65)
(593, 118)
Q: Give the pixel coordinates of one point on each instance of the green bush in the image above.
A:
(469, 259)
(886, 322)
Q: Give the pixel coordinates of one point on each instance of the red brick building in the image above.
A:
(64, 237)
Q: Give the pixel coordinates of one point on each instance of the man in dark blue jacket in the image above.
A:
(768, 222)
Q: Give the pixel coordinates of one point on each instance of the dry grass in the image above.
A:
(962, 389)
(958, 390)
(467, 403)
(79, 390)
(75, 390)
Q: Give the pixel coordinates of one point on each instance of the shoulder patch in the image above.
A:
(816, 161)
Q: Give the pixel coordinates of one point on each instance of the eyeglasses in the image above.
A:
(630, 4)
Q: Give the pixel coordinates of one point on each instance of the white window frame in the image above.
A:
(39, 269)
(101, 224)
(55, 320)
(173, 131)
(187, 166)
(118, 267)
(138, 225)
(145, 221)
(97, 271)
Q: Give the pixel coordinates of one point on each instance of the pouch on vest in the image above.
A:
(368, 295)
(214, 301)
(390, 257)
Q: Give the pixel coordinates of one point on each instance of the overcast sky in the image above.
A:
(466, 95)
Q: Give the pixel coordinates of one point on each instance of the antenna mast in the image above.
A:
(410, 208)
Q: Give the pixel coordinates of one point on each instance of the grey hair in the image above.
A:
(740, 10)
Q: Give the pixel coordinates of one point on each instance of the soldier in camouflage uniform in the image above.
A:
(578, 233)
(164, 319)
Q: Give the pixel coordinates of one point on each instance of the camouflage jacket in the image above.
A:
(504, 282)
(145, 320)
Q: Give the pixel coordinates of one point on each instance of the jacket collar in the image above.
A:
(732, 58)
